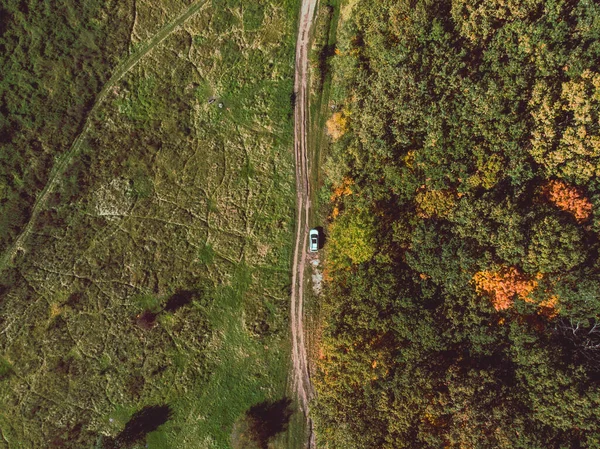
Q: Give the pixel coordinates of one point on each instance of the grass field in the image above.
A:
(157, 272)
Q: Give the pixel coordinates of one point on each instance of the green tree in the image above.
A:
(554, 246)
(351, 240)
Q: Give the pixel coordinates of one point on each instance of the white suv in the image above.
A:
(314, 240)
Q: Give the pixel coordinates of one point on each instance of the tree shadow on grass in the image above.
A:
(146, 320)
(267, 419)
(141, 424)
(180, 299)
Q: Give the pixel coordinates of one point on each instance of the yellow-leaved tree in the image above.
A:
(575, 153)
(351, 240)
(337, 125)
(435, 203)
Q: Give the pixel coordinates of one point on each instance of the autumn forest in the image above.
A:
(462, 306)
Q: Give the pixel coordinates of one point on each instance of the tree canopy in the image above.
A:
(472, 141)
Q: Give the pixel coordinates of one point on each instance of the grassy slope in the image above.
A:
(169, 193)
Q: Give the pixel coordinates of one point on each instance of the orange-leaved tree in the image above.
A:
(569, 199)
(503, 285)
(344, 189)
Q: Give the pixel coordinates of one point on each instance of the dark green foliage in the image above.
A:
(460, 112)
(554, 246)
(142, 185)
(140, 103)
(254, 14)
(147, 301)
(206, 254)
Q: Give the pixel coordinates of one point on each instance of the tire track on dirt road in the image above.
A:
(64, 160)
(300, 373)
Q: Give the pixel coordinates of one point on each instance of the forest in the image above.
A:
(462, 303)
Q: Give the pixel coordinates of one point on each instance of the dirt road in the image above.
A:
(301, 377)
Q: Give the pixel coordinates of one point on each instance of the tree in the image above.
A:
(141, 424)
(574, 153)
(555, 246)
(351, 240)
(261, 423)
(337, 125)
(504, 285)
(569, 199)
